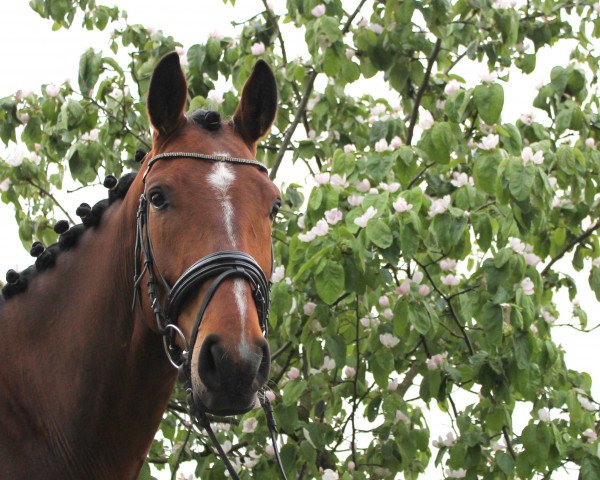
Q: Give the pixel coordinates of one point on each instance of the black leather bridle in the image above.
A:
(218, 267)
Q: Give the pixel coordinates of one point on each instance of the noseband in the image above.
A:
(217, 266)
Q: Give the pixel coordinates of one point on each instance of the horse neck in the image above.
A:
(85, 374)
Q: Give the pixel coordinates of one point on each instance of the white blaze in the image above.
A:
(221, 178)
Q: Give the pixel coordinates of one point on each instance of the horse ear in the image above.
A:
(256, 111)
(167, 94)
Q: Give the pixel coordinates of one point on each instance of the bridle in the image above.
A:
(217, 266)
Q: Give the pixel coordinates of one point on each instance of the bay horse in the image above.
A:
(85, 379)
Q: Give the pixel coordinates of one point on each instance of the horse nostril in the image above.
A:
(208, 362)
(247, 369)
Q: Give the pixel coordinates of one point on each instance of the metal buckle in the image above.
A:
(169, 347)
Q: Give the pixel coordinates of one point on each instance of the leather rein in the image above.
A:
(217, 266)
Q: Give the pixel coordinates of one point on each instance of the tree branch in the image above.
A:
(422, 88)
(45, 192)
(292, 128)
(570, 245)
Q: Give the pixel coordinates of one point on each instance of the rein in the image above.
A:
(217, 266)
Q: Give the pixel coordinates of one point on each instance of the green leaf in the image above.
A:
(505, 462)
(330, 282)
(594, 281)
(489, 100)
(379, 233)
(520, 180)
(293, 390)
(485, 171)
(90, 65)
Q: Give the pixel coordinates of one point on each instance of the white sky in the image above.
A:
(32, 54)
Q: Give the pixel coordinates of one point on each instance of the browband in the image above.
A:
(203, 156)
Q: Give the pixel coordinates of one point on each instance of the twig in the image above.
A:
(280, 350)
(448, 301)
(43, 191)
(180, 453)
(353, 16)
(418, 175)
(508, 442)
(407, 382)
(570, 245)
(292, 128)
(422, 88)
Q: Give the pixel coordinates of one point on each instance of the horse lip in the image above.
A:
(216, 403)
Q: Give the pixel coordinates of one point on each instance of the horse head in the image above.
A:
(213, 199)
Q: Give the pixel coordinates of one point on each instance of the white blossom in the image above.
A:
(270, 395)
(401, 417)
(249, 425)
(531, 259)
(391, 187)
(392, 385)
(527, 156)
(396, 142)
(322, 178)
(590, 142)
(23, 117)
(417, 277)
(307, 237)
(349, 148)
(382, 146)
(451, 87)
(363, 22)
(269, 450)
(215, 97)
(527, 118)
(426, 120)
(350, 372)
(516, 245)
(363, 186)
(460, 179)
(349, 53)
(5, 184)
(447, 264)
(226, 446)
(300, 222)
(496, 446)
(355, 200)
(375, 27)
(585, 403)
(321, 228)
(404, 288)
(488, 77)
(436, 361)
(448, 441)
(351, 465)
(309, 308)
(293, 373)
(388, 340)
(591, 435)
(387, 313)
(378, 110)
(318, 11)
(333, 216)
(489, 142)
(328, 363)
(401, 205)
(218, 35)
(460, 473)
(384, 301)
(329, 474)
(450, 279)
(533, 329)
(544, 415)
(52, 90)
(527, 286)
(16, 158)
(257, 49)
(363, 219)
(424, 290)
(278, 274)
(439, 206)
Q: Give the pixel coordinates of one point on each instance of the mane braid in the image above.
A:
(68, 239)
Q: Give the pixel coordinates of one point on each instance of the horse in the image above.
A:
(86, 355)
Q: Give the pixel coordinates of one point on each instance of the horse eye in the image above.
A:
(158, 199)
(275, 209)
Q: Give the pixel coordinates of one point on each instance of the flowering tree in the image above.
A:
(424, 259)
